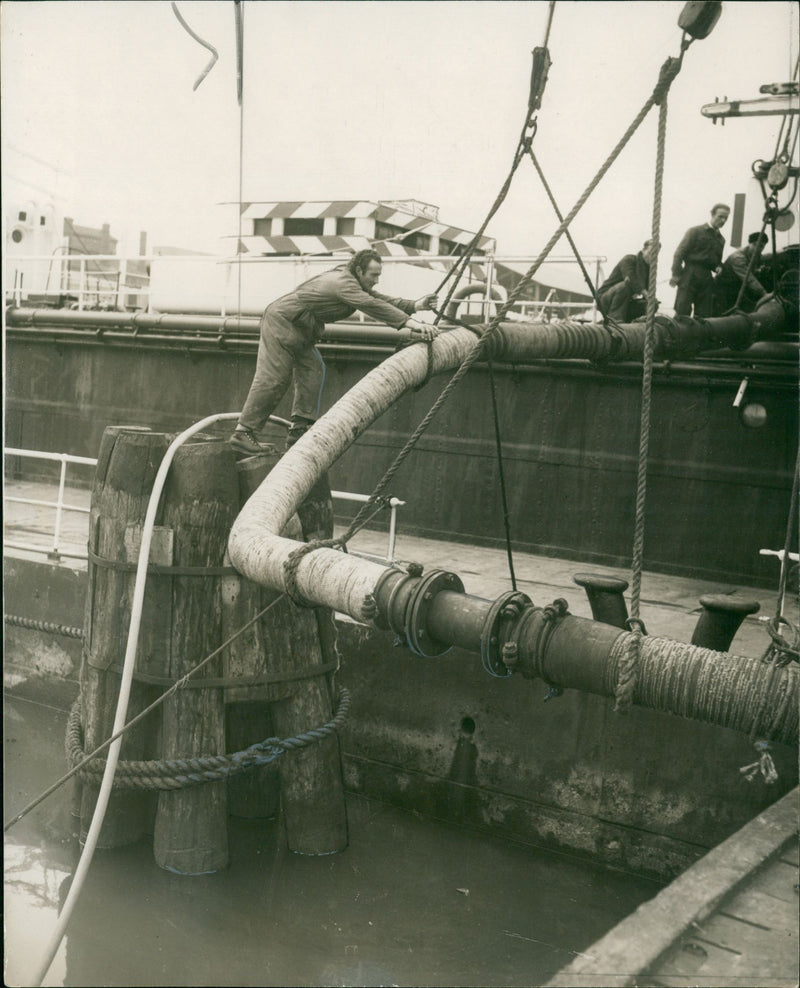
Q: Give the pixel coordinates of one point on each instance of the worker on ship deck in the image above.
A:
(737, 270)
(696, 261)
(290, 328)
(622, 296)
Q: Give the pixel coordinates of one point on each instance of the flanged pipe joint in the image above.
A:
(430, 613)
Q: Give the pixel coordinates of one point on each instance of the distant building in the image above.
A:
(87, 239)
(392, 227)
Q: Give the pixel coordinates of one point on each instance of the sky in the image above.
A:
(381, 100)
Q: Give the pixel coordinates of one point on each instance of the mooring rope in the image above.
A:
(630, 660)
(181, 773)
(50, 627)
(182, 682)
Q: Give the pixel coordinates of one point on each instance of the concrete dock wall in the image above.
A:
(647, 792)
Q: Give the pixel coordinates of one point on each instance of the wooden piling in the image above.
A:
(128, 460)
(200, 503)
(292, 639)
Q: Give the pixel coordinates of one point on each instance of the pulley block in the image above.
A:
(699, 17)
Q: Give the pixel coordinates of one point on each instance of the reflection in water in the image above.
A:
(410, 902)
(32, 899)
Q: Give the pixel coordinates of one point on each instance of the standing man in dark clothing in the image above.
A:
(291, 326)
(697, 259)
(621, 297)
(738, 269)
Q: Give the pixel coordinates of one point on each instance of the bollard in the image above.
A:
(605, 597)
(720, 619)
(200, 502)
(127, 463)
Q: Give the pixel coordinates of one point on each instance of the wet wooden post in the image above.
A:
(200, 504)
(127, 464)
(255, 793)
(294, 639)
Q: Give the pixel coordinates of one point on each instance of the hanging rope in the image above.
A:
(200, 41)
(523, 144)
(589, 283)
(630, 661)
(668, 72)
(787, 542)
(501, 477)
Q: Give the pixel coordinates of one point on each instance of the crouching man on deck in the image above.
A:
(292, 325)
(622, 296)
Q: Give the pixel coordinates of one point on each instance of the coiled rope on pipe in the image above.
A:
(743, 694)
(181, 773)
(49, 627)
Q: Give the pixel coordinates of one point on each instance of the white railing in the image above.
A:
(393, 502)
(208, 283)
(56, 551)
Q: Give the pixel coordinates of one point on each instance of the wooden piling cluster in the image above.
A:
(193, 602)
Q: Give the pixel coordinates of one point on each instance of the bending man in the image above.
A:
(738, 270)
(621, 297)
(291, 326)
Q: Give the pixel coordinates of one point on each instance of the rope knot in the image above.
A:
(669, 71)
(292, 563)
(764, 764)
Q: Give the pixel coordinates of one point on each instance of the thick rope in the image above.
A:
(49, 627)
(182, 682)
(701, 684)
(668, 72)
(586, 277)
(181, 773)
(628, 665)
(787, 542)
(502, 478)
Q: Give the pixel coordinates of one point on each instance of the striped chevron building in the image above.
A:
(397, 228)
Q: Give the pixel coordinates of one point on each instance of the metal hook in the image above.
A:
(199, 40)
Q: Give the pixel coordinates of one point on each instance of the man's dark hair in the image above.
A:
(720, 205)
(360, 260)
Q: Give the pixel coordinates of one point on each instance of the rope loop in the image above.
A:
(782, 650)
(293, 561)
(635, 624)
(180, 773)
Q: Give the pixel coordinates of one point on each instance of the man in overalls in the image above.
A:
(290, 328)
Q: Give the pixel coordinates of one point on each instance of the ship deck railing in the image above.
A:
(122, 283)
(26, 492)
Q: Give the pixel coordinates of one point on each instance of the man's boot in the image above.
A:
(299, 426)
(244, 442)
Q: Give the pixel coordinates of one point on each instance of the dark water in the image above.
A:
(410, 902)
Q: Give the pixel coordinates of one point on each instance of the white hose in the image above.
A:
(124, 691)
